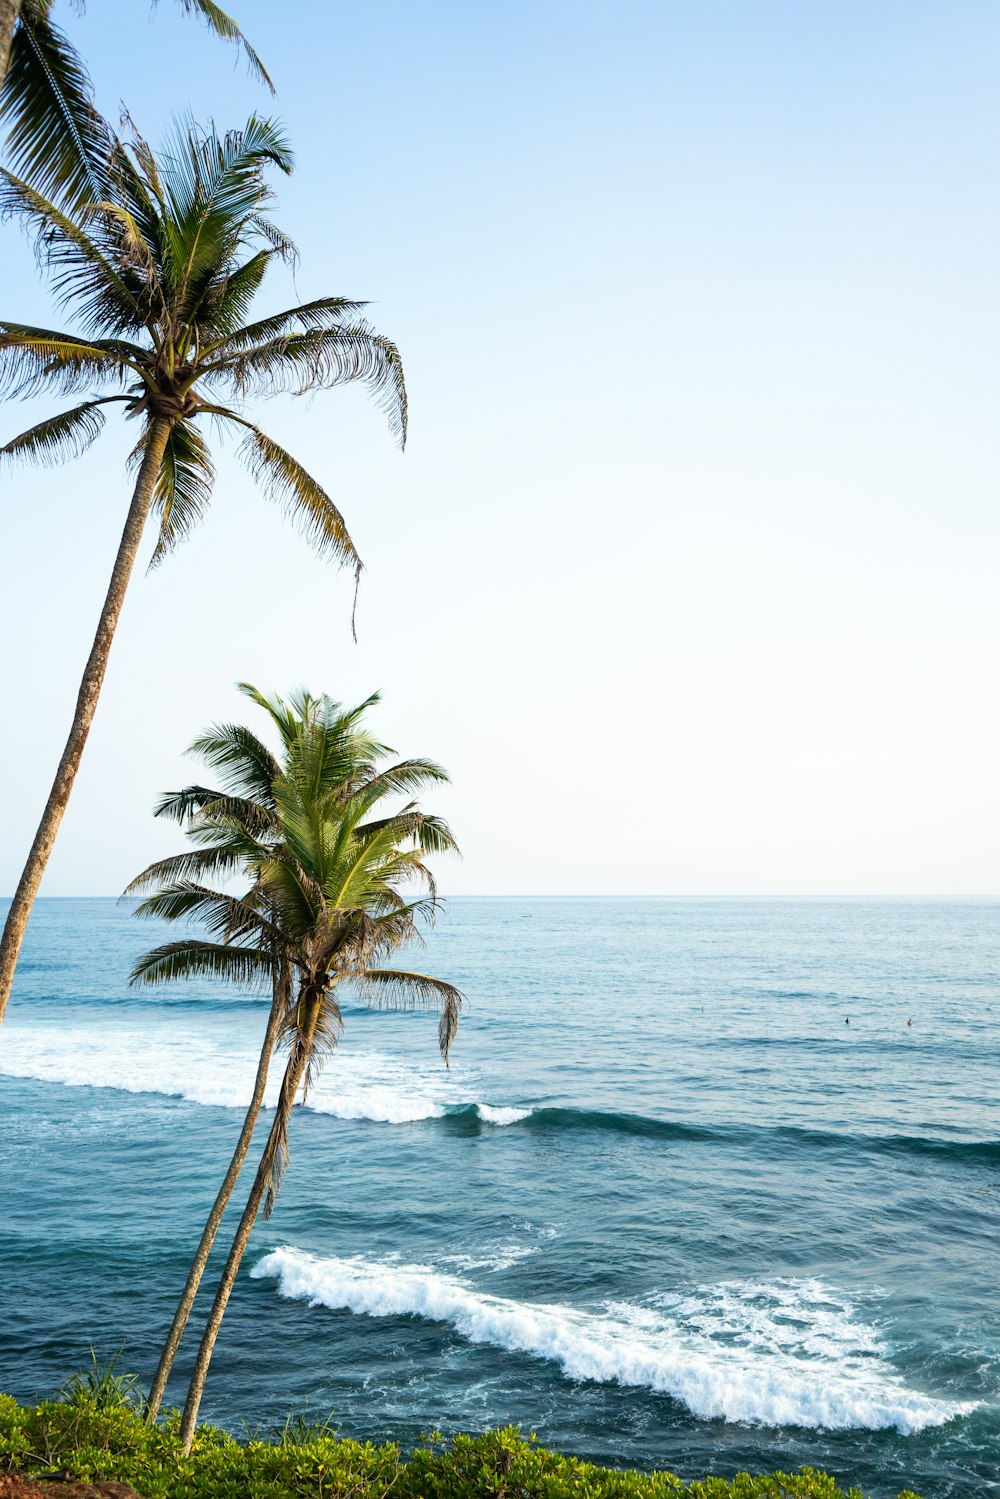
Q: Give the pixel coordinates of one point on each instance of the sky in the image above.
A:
(688, 572)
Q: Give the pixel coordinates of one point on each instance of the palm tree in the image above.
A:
(233, 828)
(323, 901)
(46, 98)
(161, 272)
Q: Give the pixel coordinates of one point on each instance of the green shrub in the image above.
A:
(98, 1432)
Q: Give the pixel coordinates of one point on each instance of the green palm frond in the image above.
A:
(81, 272)
(183, 487)
(324, 312)
(231, 296)
(197, 864)
(247, 766)
(56, 138)
(229, 917)
(250, 967)
(225, 27)
(59, 437)
(433, 835)
(213, 186)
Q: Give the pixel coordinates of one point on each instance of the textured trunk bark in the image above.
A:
(9, 12)
(218, 1207)
(86, 704)
(289, 1088)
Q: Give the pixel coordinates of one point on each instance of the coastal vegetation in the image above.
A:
(325, 854)
(161, 269)
(100, 1434)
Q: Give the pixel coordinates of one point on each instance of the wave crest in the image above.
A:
(780, 1354)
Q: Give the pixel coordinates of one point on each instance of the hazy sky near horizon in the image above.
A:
(689, 572)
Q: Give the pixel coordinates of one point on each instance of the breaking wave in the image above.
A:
(783, 1353)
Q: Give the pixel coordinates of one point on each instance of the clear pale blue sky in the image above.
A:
(689, 573)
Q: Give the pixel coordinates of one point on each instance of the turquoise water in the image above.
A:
(666, 1208)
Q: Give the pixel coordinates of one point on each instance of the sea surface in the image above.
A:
(665, 1209)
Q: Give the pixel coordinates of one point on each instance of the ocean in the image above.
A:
(665, 1209)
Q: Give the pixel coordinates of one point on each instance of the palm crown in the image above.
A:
(327, 866)
(161, 270)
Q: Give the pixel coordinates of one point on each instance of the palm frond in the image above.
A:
(302, 498)
(212, 187)
(398, 989)
(230, 295)
(225, 27)
(197, 864)
(230, 917)
(183, 487)
(432, 834)
(56, 139)
(58, 438)
(80, 270)
(245, 763)
(319, 358)
(324, 312)
(36, 360)
(249, 967)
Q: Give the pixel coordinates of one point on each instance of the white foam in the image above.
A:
(214, 1063)
(781, 1354)
(499, 1114)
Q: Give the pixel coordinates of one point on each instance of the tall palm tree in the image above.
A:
(46, 99)
(233, 828)
(161, 272)
(323, 900)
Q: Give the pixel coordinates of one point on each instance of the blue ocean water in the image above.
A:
(665, 1209)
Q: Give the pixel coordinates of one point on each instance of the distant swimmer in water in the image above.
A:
(848, 1020)
(909, 1022)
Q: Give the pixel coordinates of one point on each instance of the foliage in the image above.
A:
(160, 271)
(87, 1442)
(102, 1386)
(54, 133)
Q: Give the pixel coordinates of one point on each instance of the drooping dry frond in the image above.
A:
(33, 360)
(59, 438)
(398, 989)
(301, 498)
(183, 487)
(225, 27)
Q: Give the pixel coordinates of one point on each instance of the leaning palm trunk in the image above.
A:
(86, 704)
(265, 1181)
(9, 10)
(197, 1270)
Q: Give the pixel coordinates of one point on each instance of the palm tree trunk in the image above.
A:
(86, 705)
(204, 1249)
(9, 12)
(296, 1066)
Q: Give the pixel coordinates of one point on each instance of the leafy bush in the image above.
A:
(99, 1433)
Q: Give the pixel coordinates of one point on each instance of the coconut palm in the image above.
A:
(325, 865)
(161, 273)
(46, 99)
(233, 828)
